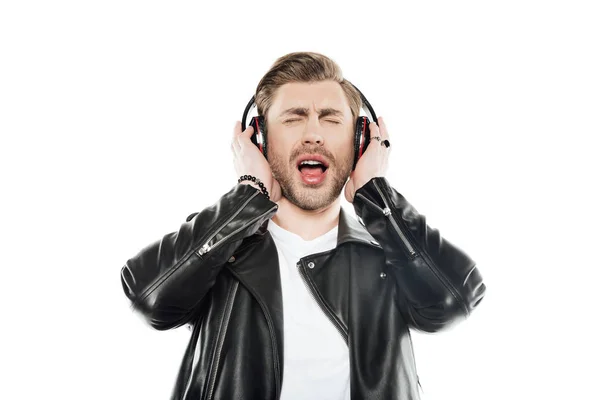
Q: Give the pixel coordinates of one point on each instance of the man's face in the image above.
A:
(310, 121)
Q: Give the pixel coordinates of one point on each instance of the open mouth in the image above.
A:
(312, 169)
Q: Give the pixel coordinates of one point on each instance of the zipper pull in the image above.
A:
(204, 249)
(387, 211)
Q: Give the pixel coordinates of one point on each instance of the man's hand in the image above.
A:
(248, 160)
(372, 163)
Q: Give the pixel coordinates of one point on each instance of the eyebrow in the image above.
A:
(304, 112)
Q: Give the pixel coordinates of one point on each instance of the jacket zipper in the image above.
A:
(388, 213)
(320, 302)
(433, 268)
(221, 338)
(206, 247)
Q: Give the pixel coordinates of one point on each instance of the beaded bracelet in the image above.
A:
(256, 180)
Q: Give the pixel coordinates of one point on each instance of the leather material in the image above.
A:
(440, 283)
(384, 278)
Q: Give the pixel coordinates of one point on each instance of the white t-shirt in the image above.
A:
(316, 362)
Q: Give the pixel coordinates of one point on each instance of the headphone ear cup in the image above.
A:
(362, 137)
(259, 137)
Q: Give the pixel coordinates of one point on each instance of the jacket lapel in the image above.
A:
(260, 274)
(351, 230)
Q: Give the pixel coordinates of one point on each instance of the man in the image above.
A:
(287, 295)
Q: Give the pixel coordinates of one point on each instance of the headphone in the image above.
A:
(362, 133)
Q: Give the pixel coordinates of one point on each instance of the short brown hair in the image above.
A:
(303, 67)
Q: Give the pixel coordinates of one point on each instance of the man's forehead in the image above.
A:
(300, 98)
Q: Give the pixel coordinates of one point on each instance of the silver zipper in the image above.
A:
(388, 213)
(206, 247)
(221, 339)
(305, 278)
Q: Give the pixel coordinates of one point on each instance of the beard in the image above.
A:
(304, 196)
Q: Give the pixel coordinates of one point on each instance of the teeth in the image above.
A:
(311, 162)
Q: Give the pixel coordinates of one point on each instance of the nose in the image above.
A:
(312, 133)
(312, 138)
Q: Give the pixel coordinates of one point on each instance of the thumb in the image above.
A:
(276, 191)
(249, 131)
(348, 191)
(350, 187)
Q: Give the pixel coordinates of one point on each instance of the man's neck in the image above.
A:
(304, 223)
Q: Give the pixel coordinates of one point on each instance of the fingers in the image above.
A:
(237, 129)
(381, 152)
(382, 128)
(379, 129)
(237, 134)
(375, 132)
(384, 136)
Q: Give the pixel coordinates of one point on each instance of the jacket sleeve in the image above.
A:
(438, 282)
(167, 280)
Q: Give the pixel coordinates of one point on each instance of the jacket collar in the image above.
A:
(349, 230)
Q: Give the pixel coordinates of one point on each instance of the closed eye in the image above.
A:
(296, 119)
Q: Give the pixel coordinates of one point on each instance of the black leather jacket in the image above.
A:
(219, 274)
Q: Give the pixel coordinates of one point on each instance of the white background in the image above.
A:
(116, 119)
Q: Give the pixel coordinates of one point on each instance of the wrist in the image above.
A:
(255, 182)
